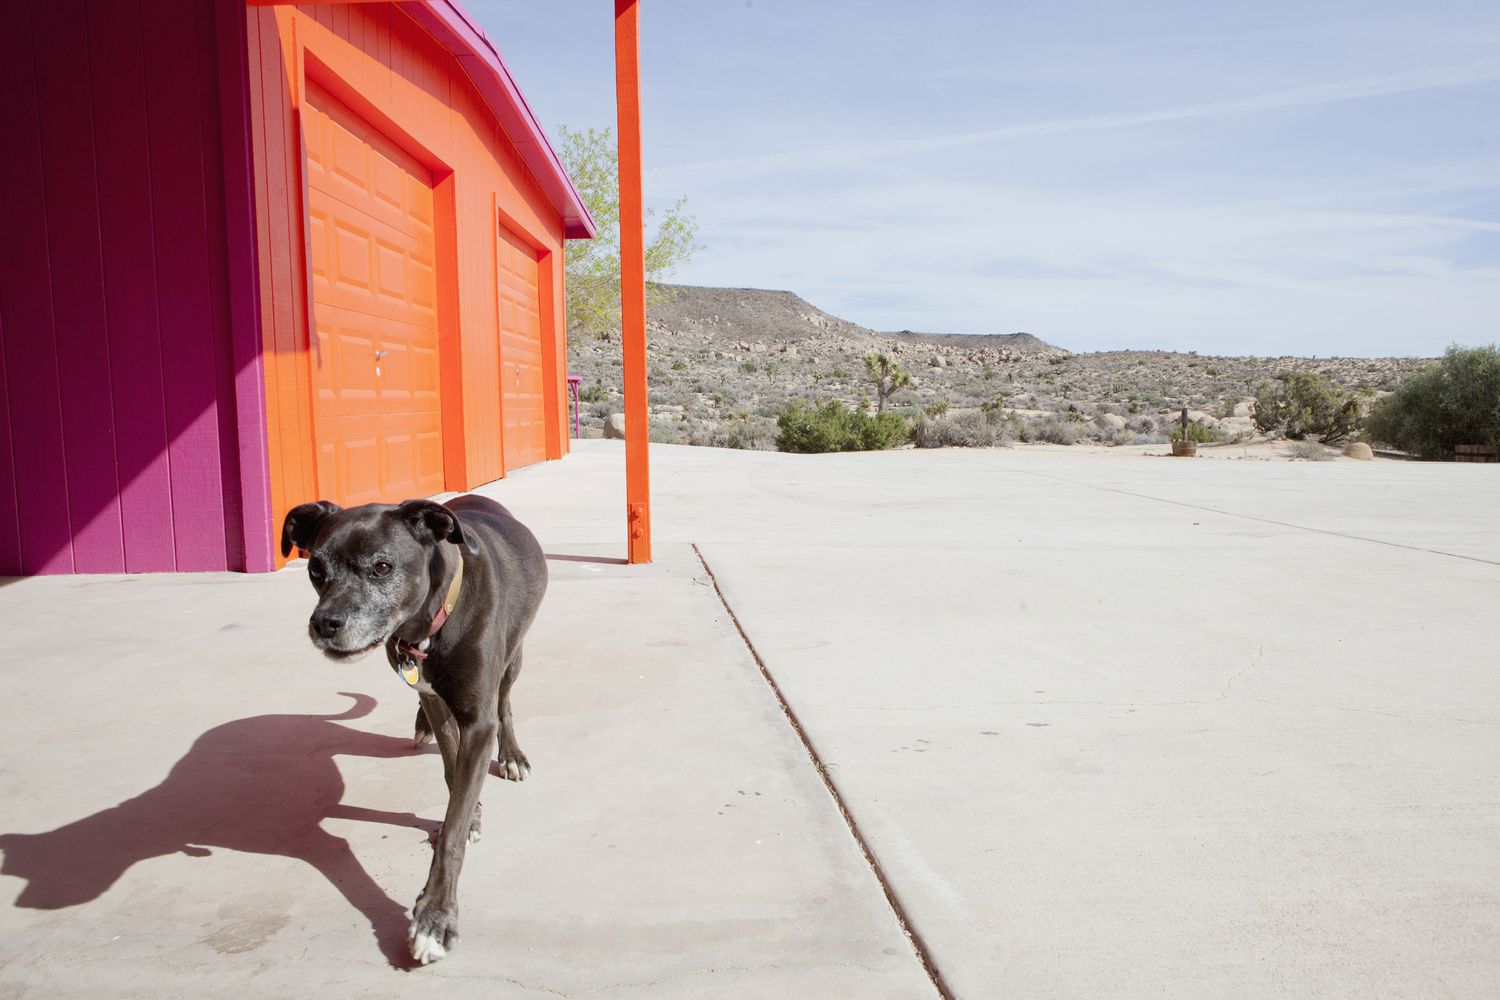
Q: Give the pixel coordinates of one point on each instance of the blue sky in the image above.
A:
(1271, 178)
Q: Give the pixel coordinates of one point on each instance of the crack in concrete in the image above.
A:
(912, 936)
(1229, 684)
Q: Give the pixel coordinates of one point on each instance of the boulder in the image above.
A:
(1244, 408)
(938, 361)
(1198, 417)
(614, 426)
(1109, 422)
(1358, 450)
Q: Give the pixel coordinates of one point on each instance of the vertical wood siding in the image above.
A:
(120, 424)
(375, 58)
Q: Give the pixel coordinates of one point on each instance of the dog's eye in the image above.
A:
(381, 569)
(315, 572)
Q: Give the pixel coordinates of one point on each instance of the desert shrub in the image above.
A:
(971, 429)
(1050, 429)
(879, 431)
(1310, 451)
(595, 393)
(937, 408)
(832, 426)
(1456, 401)
(747, 433)
(1304, 404)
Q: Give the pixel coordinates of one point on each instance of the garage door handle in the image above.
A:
(380, 354)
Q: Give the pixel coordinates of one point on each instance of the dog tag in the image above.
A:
(410, 671)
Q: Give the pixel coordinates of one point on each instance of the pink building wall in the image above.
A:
(132, 433)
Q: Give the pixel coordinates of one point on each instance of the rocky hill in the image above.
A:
(775, 318)
(724, 361)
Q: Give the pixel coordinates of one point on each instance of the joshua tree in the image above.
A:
(888, 377)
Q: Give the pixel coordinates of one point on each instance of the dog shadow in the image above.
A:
(261, 785)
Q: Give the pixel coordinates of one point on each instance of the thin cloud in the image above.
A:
(1331, 93)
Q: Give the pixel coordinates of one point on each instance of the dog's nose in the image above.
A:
(326, 623)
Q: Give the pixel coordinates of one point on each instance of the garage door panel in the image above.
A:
(520, 353)
(357, 165)
(377, 408)
(422, 282)
(351, 258)
(392, 279)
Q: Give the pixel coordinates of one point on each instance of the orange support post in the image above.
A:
(633, 282)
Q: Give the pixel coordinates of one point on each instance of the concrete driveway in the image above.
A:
(193, 803)
(1110, 727)
(1136, 727)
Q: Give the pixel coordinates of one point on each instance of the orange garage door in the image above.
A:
(522, 407)
(376, 414)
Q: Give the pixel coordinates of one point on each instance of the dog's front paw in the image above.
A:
(421, 731)
(513, 763)
(432, 935)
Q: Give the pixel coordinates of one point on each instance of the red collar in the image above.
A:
(418, 651)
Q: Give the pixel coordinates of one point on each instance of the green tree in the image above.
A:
(1456, 401)
(888, 376)
(593, 266)
(1304, 404)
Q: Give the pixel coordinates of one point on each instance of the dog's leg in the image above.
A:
(513, 763)
(434, 926)
(435, 711)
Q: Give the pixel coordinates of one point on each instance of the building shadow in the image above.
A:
(602, 560)
(261, 785)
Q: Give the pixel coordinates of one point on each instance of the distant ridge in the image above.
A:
(1021, 343)
(775, 316)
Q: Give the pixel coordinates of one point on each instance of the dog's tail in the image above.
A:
(363, 706)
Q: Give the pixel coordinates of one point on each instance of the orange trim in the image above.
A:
(450, 338)
(497, 213)
(633, 283)
(553, 374)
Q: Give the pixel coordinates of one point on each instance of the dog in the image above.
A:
(450, 591)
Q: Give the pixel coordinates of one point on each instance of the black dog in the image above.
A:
(450, 591)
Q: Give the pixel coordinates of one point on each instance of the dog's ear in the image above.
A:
(433, 522)
(302, 523)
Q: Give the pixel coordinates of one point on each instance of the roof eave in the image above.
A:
(452, 26)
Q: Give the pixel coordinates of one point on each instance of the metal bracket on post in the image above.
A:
(640, 526)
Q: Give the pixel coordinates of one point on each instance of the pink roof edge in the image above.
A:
(451, 25)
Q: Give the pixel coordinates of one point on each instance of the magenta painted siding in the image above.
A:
(123, 444)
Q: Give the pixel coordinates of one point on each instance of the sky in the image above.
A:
(1308, 178)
